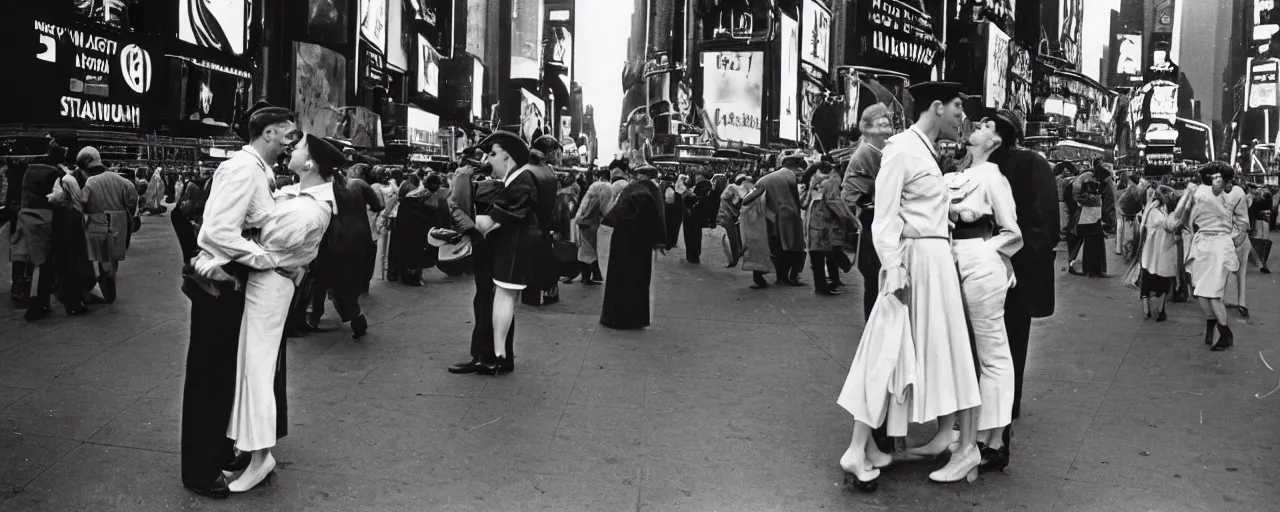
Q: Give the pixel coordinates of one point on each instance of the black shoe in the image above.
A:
(567, 280)
(1225, 338)
(507, 366)
(493, 368)
(590, 282)
(1209, 326)
(238, 463)
(867, 486)
(1265, 270)
(1244, 312)
(217, 490)
(78, 310)
(828, 292)
(835, 283)
(467, 368)
(993, 459)
(550, 300)
(1162, 317)
(359, 327)
(34, 314)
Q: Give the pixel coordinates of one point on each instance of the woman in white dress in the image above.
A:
(1211, 255)
(985, 237)
(389, 188)
(1159, 258)
(290, 234)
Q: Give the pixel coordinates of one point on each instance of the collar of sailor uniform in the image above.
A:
(322, 193)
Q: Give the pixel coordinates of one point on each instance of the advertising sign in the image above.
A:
(209, 93)
(398, 46)
(996, 84)
(1262, 83)
(1070, 16)
(327, 21)
(817, 35)
(788, 110)
(372, 66)
(219, 25)
(532, 115)
(1128, 59)
(477, 28)
(373, 23)
(320, 76)
(81, 76)
(413, 126)
(428, 68)
(477, 89)
(526, 40)
(1019, 93)
(733, 92)
(1162, 102)
(895, 35)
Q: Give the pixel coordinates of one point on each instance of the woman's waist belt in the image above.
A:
(981, 228)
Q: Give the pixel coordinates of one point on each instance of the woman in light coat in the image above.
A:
(1159, 258)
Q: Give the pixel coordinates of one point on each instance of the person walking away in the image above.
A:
(697, 199)
(1092, 258)
(1131, 202)
(782, 215)
(638, 233)
(240, 193)
(590, 213)
(1259, 214)
(728, 217)
(345, 247)
(109, 205)
(1159, 250)
(564, 230)
(420, 210)
(827, 222)
(51, 235)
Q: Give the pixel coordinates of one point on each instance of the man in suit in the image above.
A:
(1036, 194)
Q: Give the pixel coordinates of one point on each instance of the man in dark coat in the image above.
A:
(782, 213)
(1035, 192)
(638, 230)
(698, 199)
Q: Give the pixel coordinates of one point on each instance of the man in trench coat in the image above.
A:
(782, 213)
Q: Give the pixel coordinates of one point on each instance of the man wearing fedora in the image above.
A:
(782, 215)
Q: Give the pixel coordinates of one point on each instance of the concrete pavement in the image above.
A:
(726, 404)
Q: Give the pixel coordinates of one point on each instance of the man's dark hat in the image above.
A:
(1008, 125)
(510, 142)
(647, 170)
(924, 94)
(547, 144)
(793, 157)
(325, 154)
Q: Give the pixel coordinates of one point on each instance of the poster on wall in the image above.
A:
(84, 76)
(895, 35)
(532, 115)
(428, 69)
(373, 23)
(1262, 84)
(1019, 92)
(107, 12)
(996, 83)
(320, 78)
(526, 40)
(1128, 59)
(559, 46)
(733, 92)
(327, 21)
(817, 35)
(221, 24)
(788, 110)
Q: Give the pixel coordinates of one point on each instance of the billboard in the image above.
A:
(788, 110)
(477, 89)
(1262, 83)
(733, 92)
(428, 69)
(1128, 60)
(894, 34)
(398, 45)
(1070, 16)
(373, 23)
(533, 115)
(996, 82)
(220, 25)
(526, 40)
(817, 35)
(320, 82)
(210, 94)
(327, 21)
(107, 12)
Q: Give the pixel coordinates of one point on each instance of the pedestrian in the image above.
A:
(188, 213)
(52, 239)
(346, 246)
(590, 213)
(638, 228)
(826, 224)
(858, 191)
(1159, 250)
(697, 199)
(1211, 256)
(21, 267)
(240, 191)
(421, 209)
(515, 225)
(782, 217)
(290, 235)
(1090, 228)
(109, 207)
(919, 319)
(1238, 203)
(673, 208)
(728, 218)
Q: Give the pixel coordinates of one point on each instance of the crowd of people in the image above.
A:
(955, 264)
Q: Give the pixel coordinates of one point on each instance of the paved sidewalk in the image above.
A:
(726, 404)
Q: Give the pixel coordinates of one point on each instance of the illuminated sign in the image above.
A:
(526, 40)
(995, 94)
(817, 35)
(78, 74)
(218, 25)
(788, 110)
(1262, 83)
(373, 22)
(733, 89)
(894, 34)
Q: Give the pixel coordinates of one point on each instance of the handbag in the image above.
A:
(1090, 215)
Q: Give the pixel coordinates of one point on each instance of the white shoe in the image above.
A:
(962, 466)
(254, 475)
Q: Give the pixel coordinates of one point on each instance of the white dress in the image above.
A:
(981, 195)
(913, 363)
(1212, 256)
(291, 235)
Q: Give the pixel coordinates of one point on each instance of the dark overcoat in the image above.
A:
(1036, 194)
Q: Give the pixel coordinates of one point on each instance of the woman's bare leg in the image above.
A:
(504, 311)
(855, 459)
(942, 441)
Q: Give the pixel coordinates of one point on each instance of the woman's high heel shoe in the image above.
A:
(851, 479)
(253, 476)
(925, 452)
(962, 466)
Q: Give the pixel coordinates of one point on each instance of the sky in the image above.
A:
(601, 33)
(1096, 30)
